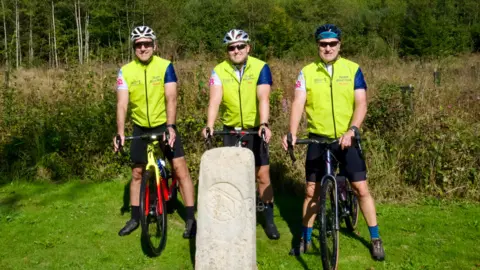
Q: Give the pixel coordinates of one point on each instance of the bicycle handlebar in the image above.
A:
(151, 136)
(305, 141)
(238, 133)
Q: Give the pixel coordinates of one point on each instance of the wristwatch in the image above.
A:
(264, 124)
(355, 130)
(172, 126)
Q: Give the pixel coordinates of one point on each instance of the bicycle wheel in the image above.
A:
(352, 205)
(328, 231)
(153, 217)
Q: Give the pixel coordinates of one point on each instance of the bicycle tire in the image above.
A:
(153, 220)
(327, 220)
(352, 205)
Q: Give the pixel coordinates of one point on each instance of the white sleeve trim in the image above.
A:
(300, 84)
(214, 79)
(121, 83)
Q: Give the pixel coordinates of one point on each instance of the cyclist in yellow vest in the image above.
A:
(149, 85)
(242, 85)
(333, 92)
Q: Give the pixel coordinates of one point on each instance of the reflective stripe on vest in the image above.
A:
(240, 102)
(146, 89)
(330, 101)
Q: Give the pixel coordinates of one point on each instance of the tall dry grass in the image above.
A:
(67, 117)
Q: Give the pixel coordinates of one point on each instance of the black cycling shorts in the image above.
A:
(252, 142)
(350, 162)
(138, 148)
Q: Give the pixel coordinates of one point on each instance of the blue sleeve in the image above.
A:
(170, 75)
(360, 80)
(265, 76)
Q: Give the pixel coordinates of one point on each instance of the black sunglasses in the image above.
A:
(331, 44)
(146, 44)
(239, 47)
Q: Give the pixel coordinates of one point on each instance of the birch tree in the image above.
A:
(5, 52)
(18, 53)
(54, 37)
(87, 36)
(78, 22)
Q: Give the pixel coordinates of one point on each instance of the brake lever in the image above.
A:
(208, 140)
(290, 147)
(118, 140)
(264, 141)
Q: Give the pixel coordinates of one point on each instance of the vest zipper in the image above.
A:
(331, 96)
(240, 96)
(146, 97)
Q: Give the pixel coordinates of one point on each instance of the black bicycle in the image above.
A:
(240, 142)
(337, 203)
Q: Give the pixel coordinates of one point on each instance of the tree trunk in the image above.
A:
(78, 22)
(121, 44)
(5, 36)
(17, 36)
(128, 25)
(50, 62)
(87, 36)
(30, 41)
(54, 37)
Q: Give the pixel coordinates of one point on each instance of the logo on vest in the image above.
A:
(319, 80)
(156, 80)
(343, 80)
(248, 77)
(135, 83)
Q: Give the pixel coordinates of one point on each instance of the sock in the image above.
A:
(268, 213)
(307, 233)
(190, 212)
(374, 231)
(136, 213)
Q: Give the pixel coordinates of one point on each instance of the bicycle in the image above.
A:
(240, 134)
(157, 197)
(337, 203)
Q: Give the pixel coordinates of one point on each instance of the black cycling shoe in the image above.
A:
(131, 226)
(190, 229)
(271, 231)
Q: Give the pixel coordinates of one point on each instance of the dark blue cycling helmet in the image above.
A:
(328, 31)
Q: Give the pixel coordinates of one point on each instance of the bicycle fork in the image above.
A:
(329, 177)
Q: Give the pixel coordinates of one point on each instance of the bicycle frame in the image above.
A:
(152, 151)
(329, 175)
(239, 133)
(151, 162)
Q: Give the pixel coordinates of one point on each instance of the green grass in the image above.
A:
(74, 226)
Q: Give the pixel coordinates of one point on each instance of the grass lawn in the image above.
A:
(74, 226)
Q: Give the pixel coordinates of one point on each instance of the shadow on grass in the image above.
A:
(126, 198)
(10, 202)
(355, 236)
(289, 201)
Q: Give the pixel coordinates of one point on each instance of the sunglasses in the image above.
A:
(239, 47)
(147, 44)
(325, 44)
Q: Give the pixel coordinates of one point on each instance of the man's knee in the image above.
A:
(137, 173)
(180, 168)
(361, 189)
(310, 190)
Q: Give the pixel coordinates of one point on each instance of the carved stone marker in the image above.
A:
(226, 210)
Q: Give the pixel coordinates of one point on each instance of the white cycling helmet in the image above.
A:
(235, 35)
(142, 32)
